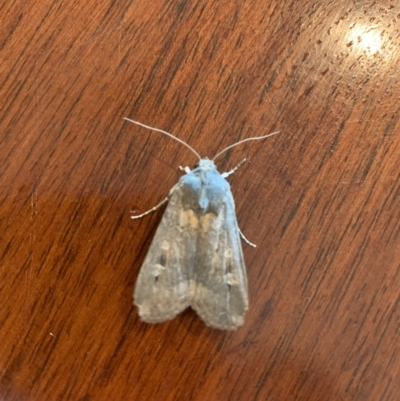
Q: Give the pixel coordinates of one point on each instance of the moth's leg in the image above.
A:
(245, 239)
(153, 209)
(234, 169)
(228, 173)
(185, 169)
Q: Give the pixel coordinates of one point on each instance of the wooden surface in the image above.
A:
(321, 200)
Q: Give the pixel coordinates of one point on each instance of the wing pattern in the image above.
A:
(196, 257)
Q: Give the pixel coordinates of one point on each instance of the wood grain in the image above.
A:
(321, 200)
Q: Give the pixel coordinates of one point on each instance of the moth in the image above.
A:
(196, 258)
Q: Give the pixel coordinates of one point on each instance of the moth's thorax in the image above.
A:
(204, 189)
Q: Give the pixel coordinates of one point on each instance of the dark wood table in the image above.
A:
(320, 200)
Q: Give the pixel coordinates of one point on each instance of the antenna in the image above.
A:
(256, 138)
(165, 133)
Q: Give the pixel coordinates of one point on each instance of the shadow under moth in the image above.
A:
(196, 258)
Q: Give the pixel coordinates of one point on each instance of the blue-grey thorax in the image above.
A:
(204, 189)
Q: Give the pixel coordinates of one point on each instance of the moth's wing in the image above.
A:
(221, 297)
(163, 287)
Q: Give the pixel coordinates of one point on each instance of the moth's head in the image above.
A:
(205, 164)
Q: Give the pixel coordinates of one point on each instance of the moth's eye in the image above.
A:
(196, 165)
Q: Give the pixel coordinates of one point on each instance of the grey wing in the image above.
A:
(164, 285)
(221, 297)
